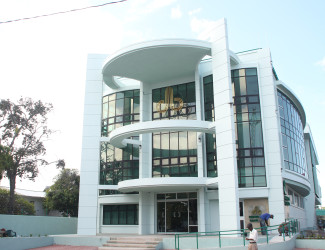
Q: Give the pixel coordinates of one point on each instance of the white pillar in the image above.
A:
(89, 170)
(202, 205)
(271, 136)
(225, 130)
(200, 136)
(145, 158)
(146, 213)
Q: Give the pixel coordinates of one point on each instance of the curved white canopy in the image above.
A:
(155, 61)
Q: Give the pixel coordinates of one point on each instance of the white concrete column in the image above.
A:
(271, 136)
(202, 207)
(145, 166)
(89, 170)
(200, 136)
(225, 130)
(146, 213)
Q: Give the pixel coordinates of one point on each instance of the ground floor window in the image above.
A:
(120, 214)
(177, 212)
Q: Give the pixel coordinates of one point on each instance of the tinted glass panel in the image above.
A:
(292, 136)
(120, 214)
(249, 135)
(174, 102)
(177, 157)
(120, 109)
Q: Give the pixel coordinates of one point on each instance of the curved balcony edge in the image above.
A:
(164, 184)
(118, 137)
(298, 182)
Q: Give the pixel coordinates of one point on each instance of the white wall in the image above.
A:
(25, 225)
(300, 214)
(271, 136)
(89, 170)
(310, 206)
(214, 215)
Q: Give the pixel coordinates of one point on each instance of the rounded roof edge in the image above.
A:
(158, 43)
(116, 63)
(286, 90)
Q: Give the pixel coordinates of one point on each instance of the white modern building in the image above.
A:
(185, 135)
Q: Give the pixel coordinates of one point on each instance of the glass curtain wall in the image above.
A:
(210, 139)
(174, 153)
(119, 109)
(174, 102)
(292, 136)
(118, 164)
(249, 138)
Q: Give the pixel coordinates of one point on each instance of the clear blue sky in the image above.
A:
(45, 58)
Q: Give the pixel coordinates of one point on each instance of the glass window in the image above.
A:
(178, 150)
(208, 98)
(249, 133)
(118, 164)
(292, 136)
(174, 102)
(121, 109)
(120, 214)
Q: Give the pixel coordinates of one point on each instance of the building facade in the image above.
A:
(185, 135)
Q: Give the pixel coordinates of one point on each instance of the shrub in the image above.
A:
(22, 206)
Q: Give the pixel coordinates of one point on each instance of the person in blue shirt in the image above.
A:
(264, 218)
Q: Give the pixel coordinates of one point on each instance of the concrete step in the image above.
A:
(127, 244)
(135, 241)
(137, 238)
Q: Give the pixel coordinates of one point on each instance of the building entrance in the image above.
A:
(177, 212)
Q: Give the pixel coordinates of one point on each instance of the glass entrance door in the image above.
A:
(176, 215)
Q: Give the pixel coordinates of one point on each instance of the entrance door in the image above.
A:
(177, 215)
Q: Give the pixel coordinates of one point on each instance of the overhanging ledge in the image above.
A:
(119, 136)
(155, 61)
(162, 184)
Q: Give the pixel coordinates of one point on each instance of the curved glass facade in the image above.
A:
(120, 109)
(249, 137)
(174, 154)
(292, 135)
(118, 164)
(174, 102)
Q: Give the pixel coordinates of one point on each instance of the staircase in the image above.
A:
(128, 243)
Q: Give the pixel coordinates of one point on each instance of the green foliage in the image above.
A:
(23, 130)
(22, 206)
(6, 160)
(63, 195)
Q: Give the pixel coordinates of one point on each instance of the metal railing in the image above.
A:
(287, 229)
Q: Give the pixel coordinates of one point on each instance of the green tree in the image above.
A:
(63, 195)
(23, 131)
(5, 160)
(22, 206)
